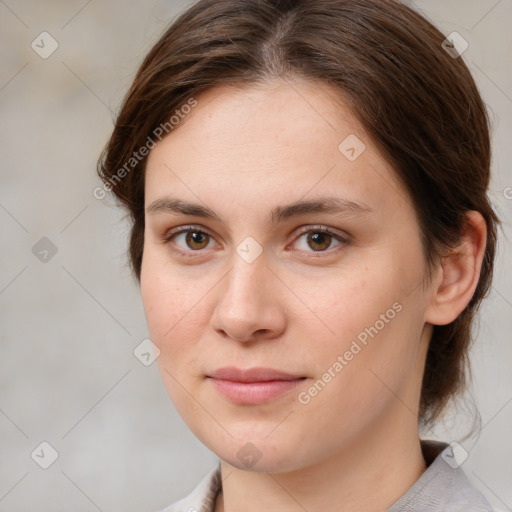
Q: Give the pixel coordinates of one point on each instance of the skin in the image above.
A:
(298, 305)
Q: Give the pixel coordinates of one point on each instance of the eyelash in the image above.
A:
(344, 240)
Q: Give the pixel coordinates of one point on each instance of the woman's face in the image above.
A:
(253, 280)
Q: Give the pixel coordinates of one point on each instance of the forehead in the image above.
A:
(279, 114)
(265, 142)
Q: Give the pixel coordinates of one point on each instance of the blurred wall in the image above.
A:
(71, 315)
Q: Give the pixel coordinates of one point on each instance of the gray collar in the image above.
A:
(442, 487)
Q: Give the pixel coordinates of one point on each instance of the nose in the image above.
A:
(250, 303)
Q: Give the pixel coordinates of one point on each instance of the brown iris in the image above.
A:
(196, 240)
(320, 239)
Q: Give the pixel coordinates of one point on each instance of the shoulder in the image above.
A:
(202, 497)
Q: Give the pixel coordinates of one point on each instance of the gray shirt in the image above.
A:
(442, 487)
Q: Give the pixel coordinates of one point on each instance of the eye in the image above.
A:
(189, 239)
(319, 239)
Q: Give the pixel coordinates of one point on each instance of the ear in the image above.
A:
(458, 273)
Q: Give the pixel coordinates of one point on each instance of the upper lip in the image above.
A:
(256, 374)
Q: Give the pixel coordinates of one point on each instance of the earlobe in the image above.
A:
(458, 273)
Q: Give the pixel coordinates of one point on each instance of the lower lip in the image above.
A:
(250, 393)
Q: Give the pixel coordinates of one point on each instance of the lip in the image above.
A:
(256, 374)
(254, 385)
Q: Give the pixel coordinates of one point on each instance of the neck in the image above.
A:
(370, 473)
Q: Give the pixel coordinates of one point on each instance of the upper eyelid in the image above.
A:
(184, 229)
(302, 229)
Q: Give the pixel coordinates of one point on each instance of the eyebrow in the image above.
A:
(331, 204)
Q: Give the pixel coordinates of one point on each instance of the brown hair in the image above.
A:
(418, 102)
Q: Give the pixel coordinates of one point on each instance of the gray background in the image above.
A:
(69, 325)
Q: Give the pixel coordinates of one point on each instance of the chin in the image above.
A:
(259, 454)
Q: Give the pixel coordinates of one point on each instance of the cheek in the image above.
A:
(370, 325)
(343, 301)
(172, 302)
(171, 307)
(358, 383)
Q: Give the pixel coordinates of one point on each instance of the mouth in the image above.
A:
(254, 385)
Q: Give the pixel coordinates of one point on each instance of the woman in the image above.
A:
(312, 235)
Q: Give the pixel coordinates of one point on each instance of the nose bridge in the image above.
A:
(246, 280)
(248, 264)
(246, 304)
